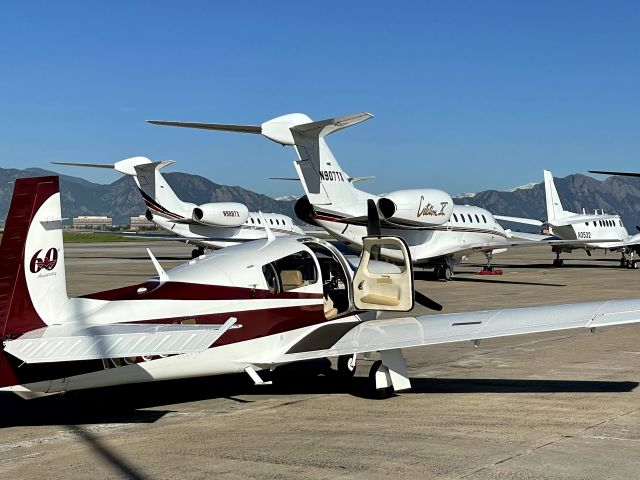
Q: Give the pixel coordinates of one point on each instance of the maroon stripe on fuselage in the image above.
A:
(193, 291)
(252, 324)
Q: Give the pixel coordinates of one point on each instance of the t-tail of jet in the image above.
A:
(554, 205)
(324, 181)
(158, 196)
(33, 288)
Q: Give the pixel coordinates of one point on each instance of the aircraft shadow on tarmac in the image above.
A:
(129, 403)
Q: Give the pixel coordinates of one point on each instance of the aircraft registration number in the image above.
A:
(584, 234)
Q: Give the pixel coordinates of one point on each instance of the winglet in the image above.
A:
(270, 236)
(161, 273)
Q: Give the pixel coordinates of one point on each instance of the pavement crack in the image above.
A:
(554, 441)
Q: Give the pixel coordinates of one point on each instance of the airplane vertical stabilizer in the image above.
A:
(323, 179)
(33, 289)
(554, 205)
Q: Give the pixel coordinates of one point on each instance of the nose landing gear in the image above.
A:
(558, 262)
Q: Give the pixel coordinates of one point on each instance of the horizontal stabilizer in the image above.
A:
(210, 126)
(90, 165)
(126, 166)
(66, 343)
(322, 128)
(621, 174)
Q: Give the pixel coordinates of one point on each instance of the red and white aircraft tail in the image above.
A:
(33, 288)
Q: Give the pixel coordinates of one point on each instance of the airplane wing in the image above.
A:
(408, 332)
(526, 221)
(469, 248)
(65, 343)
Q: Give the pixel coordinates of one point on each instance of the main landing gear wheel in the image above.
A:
(347, 366)
(196, 252)
(444, 273)
(380, 393)
(558, 262)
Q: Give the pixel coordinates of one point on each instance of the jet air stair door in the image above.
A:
(384, 279)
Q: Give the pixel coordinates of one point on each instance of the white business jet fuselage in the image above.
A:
(211, 225)
(438, 232)
(583, 231)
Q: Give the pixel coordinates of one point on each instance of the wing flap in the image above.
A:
(407, 332)
(60, 343)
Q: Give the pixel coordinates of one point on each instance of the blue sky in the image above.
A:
(466, 95)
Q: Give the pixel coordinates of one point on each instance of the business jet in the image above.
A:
(210, 225)
(582, 231)
(247, 308)
(439, 233)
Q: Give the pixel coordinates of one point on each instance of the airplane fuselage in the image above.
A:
(210, 236)
(599, 232)
(467, 226)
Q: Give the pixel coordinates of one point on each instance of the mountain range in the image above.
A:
(121, 200)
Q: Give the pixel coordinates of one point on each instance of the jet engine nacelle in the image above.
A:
(223, 214)
(417, 207)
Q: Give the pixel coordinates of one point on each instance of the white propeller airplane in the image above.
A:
(210, 225)
(438, 232)
(582, 231)
(245, 308)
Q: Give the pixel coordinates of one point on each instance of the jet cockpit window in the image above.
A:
(455, 219)
(470, 219)
(291, 272)
(484, 219)
(462, 217)
(477, 219)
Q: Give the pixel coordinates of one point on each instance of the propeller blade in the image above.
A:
(427, 302)
(373, 219)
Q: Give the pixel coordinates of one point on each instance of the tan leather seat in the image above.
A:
(291, 279)
(329, 310)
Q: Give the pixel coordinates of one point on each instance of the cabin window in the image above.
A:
(470, 219)
(291, 272)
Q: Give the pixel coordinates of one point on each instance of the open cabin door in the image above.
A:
(381, 284)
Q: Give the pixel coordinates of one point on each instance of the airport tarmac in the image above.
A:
(562, 405)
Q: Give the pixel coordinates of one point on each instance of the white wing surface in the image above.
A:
(407, 332)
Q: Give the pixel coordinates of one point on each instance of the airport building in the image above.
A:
(141, 223)
(93, 221)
